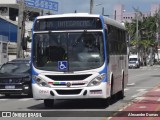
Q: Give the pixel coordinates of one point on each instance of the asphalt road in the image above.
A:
(140, 81)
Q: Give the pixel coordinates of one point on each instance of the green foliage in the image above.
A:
(28, 39)
(134, 42)
(147, 31)
(143, 43)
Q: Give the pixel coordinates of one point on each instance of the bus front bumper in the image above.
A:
(100, 91)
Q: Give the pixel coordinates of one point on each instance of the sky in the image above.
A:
(69, 6)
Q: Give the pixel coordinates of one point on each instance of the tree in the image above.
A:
(147, 29)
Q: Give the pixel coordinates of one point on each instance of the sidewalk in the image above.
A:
(147, 107)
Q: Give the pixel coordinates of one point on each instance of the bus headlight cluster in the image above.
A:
(97, 81)
(40, 81)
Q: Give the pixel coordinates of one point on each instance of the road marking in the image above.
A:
(141, 87)
(135, 76)
(157, 90)
(142, 107)
(139, 98)
(140, 90)
(25, 99)
(3, 99)
(126, 89)
(130, 84)
(158, 100)
(139, 94)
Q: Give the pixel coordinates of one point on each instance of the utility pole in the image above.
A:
(137, 32)
(102, 10)
(158, 31)
(115, 14)
(91, 6)
(21, 31)
(158, 26)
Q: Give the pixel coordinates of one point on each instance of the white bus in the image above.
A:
(78, 56)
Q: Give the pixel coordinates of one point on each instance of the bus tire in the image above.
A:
(121, 93)
(112, 98)
(48, 103)
(111, 92)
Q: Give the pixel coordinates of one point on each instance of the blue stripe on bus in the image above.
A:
(105, 79)
(105, 49)
(33, 81)
(104, 71)
(63, 83)
(32, 41)
(34, 73)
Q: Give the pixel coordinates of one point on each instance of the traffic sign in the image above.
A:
(43, 4)
(62, 65)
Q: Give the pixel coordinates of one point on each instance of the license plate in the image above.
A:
(10, 87)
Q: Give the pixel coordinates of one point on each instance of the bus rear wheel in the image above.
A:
(121, 93)
(48, 103)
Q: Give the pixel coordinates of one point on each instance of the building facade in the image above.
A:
(123, 16)
(9, 10)
(8, 29)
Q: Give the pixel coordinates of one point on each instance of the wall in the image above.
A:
(8, 1)
(8, 29)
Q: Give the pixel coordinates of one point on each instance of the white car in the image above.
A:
(133, 64)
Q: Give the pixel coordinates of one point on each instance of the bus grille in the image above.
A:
(66, 84)
(68, 92)
(68, 77)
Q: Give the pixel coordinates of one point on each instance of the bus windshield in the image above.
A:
(81, 50)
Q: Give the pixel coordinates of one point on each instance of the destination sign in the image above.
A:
(68, 24)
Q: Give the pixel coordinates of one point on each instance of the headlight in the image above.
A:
(97, 81)
(40, 81)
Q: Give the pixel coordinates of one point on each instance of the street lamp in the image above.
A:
(102, 8)
(92, 5)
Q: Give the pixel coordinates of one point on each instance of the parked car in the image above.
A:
(134, 61)
(132, 64)
(15, 77)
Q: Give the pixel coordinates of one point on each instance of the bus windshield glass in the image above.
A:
(80, 50)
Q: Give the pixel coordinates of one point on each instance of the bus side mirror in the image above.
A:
(24, 43)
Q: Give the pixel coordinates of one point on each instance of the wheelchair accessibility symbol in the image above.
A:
(62, 65)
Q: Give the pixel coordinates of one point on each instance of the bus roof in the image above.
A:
(107, 20)
(113, 22)
(69, 15)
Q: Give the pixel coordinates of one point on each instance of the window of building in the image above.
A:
(13, 13)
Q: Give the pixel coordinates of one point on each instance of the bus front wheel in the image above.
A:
(48, 103)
